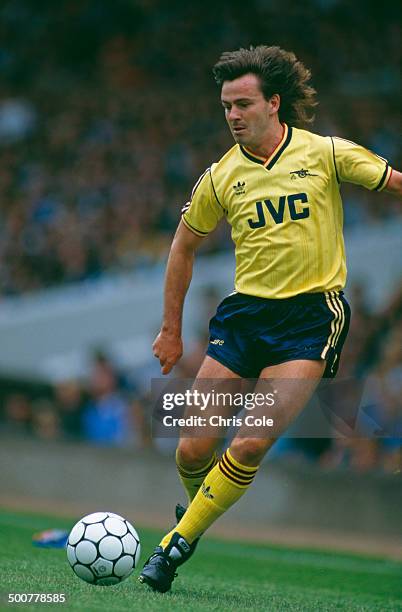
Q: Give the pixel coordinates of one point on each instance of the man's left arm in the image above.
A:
(394, 184)
(356, 164)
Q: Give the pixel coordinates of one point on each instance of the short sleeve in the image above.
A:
(355, 164)
(203, 212)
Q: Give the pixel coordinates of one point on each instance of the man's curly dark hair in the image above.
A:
(280, 72)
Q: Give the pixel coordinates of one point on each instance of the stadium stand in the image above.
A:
(102, 133)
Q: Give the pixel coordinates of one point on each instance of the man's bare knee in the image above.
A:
(194, 453)
(250, 451)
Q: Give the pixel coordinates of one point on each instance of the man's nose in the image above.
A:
(233, 114)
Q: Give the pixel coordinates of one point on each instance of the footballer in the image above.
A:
(279, 189)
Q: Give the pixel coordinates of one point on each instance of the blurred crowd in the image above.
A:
(109, 113)
(105, 409)
(115, 408)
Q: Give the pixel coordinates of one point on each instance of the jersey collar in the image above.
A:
(269, 162)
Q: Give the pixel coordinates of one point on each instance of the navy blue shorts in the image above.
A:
(249, 333)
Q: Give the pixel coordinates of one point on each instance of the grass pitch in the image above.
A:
(222, 576)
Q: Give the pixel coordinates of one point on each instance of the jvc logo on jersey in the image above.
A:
(277, 211)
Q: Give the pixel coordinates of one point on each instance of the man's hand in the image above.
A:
(395, 183)
(168, 348)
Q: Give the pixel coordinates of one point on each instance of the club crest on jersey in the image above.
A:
(301, 174)
(239, 188)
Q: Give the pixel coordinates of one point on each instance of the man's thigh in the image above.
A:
(212, 369)
(218, 383)
(293, 384)
(290, 386)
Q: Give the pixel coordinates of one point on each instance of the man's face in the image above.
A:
(247, 112)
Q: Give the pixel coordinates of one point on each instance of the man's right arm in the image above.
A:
(168, 345)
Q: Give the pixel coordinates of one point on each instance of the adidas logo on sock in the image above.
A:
(206, 491)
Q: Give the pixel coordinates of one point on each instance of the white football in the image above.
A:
(103, 548)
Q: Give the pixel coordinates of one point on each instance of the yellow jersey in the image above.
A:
(285, 211)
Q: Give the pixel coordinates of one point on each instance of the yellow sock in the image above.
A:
(191, 481)
(222, 487)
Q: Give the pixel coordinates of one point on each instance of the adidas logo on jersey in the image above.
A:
(239, 188)
(217, 341)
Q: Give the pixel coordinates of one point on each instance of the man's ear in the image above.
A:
(274, 103)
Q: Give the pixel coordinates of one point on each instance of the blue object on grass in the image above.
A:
(51, 538)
